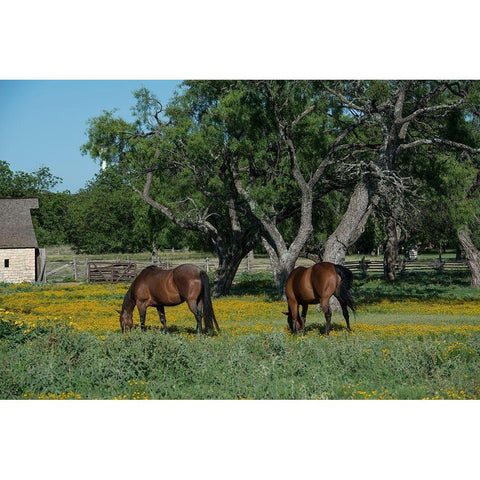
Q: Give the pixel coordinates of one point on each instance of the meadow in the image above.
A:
(416, 339)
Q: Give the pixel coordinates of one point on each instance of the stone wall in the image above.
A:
(21, 265)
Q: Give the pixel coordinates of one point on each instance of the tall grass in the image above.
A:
(58, 362)
(418, 338)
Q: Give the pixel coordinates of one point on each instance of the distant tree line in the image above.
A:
(315, 168)
(103, 217)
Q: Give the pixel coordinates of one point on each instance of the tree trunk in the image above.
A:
(392, 247)
(280, 276)
(351, 226)
(282, 265)
(230, 254)
(225, 274)
(472, 254)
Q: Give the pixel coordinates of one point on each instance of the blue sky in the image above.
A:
(43, 122)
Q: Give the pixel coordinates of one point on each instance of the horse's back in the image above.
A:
(149, 284)
(324, 278)
(186, 270)
(149, 275)
(188, 280)
(309, 285)
(297, 286)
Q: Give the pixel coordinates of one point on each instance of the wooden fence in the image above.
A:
(121, 270)
(111, 272)
(365, 267)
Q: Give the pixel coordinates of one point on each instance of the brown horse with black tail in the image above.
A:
(316, 284)
(155, 287)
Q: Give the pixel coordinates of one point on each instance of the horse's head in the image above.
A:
(293, 325)
(126, 319)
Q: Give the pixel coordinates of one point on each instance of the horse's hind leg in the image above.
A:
(293, 315)
(194, 308)
(163, 318)
(345, 312)
(328, 314)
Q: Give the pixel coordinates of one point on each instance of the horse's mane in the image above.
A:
(128, 299)
(154, 267)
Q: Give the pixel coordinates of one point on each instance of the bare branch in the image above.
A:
(303, 115)
(434, 108)
(344, 99)
(201, 224)
(437, 141)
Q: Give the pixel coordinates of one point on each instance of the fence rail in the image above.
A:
(121, 270)
(376, 266)
(111, 272)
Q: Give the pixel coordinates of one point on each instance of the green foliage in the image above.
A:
(22, 184)
(50, 219)
(109, 217)
(102, 218)
(55, 361)
(257, 366)
(449, 202)
(438, 285)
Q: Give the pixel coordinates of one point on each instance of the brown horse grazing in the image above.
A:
(155, 287)
(316, 284)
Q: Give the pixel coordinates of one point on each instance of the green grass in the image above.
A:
(58, 361)
(419, 285)
(64, 253)
(55, 361)
(436, 285)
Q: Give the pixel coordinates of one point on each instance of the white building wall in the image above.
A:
(21, 265)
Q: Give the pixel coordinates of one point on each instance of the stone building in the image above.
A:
(19, 253)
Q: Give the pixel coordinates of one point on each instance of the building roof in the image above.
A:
(16, 227)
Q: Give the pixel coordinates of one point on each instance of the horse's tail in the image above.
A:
(345, 295)
(208, 313)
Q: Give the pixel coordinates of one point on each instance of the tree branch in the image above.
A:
(344, 99)
(437, 141)
(434, 108)
(201, 224)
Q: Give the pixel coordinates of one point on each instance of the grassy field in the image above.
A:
(64, 253)
(416, 339)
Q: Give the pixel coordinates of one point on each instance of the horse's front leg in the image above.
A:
(303, 318)
(163, 318)
(142, 310)
(293, 316)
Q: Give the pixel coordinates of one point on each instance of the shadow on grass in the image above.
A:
(254, 284)
(320, 328)
(172, 329)
(372, 288)
(419, 285)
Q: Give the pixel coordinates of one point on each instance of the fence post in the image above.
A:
(74, 265)
(207, 260)
(42, 274)
(250, 261)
